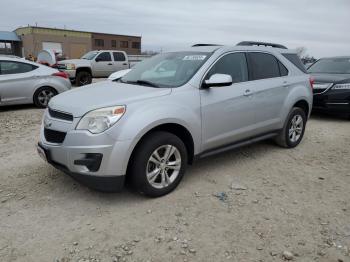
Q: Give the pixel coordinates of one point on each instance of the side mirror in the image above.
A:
(98, 59)
(218, 80)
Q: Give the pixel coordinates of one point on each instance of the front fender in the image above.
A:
(140, 119)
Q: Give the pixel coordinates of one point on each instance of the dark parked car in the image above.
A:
(332, 84)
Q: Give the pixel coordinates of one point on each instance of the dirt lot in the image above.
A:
(268, 200)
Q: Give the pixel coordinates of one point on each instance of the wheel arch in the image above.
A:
(36, 89)
(174, 128)
(83, 68)
(303, 104)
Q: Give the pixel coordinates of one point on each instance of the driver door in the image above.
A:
(102, 66)
(227, 111)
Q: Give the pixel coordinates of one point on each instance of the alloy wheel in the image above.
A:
(44, 96)
(163, 166)
(296, 128)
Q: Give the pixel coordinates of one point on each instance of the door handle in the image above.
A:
(285, 84)
(110, 64)
(247, 92)
(125, 64)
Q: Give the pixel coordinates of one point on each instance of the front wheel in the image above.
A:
(158, 164)
(83, 78)
(293, 130)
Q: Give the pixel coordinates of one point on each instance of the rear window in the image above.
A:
(263, 66)
(294, 58)
(331, 66)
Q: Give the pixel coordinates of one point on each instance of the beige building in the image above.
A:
(73, 44)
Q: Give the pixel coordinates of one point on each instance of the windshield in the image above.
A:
(331, 66)
(167, 69)
(89, 56)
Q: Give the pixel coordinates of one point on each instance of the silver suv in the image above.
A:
(172, 109)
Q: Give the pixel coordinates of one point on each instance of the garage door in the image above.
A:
(56, 47)
(77, 50)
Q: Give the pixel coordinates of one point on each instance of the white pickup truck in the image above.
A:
(100, 63)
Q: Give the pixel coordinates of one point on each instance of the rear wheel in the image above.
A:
(43, 95)
(158, 164)
(83, 78)
(293, 130)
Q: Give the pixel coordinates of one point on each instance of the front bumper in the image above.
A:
(323, 102)
(100, 183)
(99, 161)
(332, 101)
(71, 73)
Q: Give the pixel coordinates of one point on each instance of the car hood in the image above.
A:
(330, 78)
(76, 62)
(81, 100)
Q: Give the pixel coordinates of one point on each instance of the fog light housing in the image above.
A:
(92, 161)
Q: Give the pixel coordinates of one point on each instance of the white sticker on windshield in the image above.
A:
(194, 57)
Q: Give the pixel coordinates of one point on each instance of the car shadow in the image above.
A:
(17, 108)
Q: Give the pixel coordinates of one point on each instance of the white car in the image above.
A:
(25, 82)
(119, 74)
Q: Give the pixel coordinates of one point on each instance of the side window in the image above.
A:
(234, 64)
(263, 66)
(104, 57)
(118, 56)
(283, 69)
(11, 67)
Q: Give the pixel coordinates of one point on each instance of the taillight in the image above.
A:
(61, 74)
(312, 82)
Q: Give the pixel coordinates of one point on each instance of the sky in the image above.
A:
(321, 26)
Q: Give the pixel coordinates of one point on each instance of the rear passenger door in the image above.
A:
(120, 61)
(227, 112)
(270, 80)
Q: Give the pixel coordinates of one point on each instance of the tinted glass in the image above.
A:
(283, 69)
(263, 66)
(118, 56)
(234, 65)
(331, 66)
(167, 69)
(294, 58)
(10, 67)
(104, 57)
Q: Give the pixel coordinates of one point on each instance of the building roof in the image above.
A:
(71, 30)
(9, 36)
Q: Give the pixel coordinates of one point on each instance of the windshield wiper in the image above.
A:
(145, 82)
(140, 82)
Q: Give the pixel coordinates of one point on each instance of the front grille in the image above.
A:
(60, 115)
(53, 136)
(61, 66)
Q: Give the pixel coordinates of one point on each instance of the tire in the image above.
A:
(43, 95)
(293, 126)
(153, 177)
(83, 78)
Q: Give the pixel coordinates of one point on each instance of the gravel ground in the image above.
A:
(258, 203)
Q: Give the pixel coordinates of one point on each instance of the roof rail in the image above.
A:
(198, 45)
(252, 43)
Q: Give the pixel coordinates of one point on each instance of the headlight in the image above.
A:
(70, 66)
(100, 120)
(341, 86)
